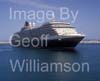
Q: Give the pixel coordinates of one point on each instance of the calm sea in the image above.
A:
(83, 53)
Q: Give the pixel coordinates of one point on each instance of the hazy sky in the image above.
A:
(87, 21)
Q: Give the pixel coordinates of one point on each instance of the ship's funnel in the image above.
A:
(26, 23)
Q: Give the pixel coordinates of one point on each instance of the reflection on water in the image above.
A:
(70, 50)
(81, 54)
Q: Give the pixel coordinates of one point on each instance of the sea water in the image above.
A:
(16, 63)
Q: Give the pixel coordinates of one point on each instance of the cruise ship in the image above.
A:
(58, 34)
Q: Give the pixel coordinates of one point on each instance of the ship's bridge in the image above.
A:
(63, 28)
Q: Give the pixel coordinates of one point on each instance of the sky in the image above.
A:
(87, 20)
